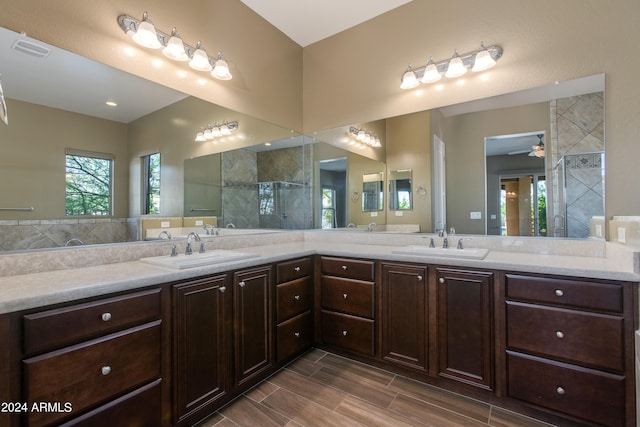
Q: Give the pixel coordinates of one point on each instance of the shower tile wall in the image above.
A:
(240, 204)
(577, 138)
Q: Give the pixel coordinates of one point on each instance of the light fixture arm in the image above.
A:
(467, 60)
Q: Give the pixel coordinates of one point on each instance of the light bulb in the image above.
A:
(175, 48)
(146, 34)
(200, 59)
(431, 73)
(221, 69)
(409, 79)
(456, 68)
(483, 60)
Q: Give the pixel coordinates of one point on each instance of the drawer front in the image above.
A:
(291, 270)
(565, 292)
(57, 328)
(348, 296)
(293, 298)
(582, 337)
(349, 268)
(140, 408)
(294, 335)
(349, 332)
(582, 393)
(93, 372)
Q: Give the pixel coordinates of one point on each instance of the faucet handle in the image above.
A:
(203, 248)
(174, 250)
(432, 244)
(445, 243)
(460, 244)
(188, 250)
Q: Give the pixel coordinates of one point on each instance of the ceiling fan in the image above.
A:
(538, 149)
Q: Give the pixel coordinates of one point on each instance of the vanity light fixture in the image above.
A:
(365, 137)
(173, 47)
(478, 60)
(216, 131)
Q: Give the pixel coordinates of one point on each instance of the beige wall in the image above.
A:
(464, 140)
(409, 147)
(32, 163)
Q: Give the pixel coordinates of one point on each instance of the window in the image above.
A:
(328, 207)
(89, 182)
(151, 183)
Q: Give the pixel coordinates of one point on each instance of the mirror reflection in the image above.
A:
(373, 192)
(400, 194)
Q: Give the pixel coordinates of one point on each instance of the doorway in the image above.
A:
(332, 197)
(523, 205)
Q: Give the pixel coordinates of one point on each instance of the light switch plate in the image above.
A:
(199, 222)
(164, 224)
(475, 215)
(622, 235)
(398, 213)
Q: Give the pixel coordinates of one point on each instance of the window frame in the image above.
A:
(94, 155)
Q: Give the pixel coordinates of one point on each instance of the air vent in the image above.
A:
(32, 49)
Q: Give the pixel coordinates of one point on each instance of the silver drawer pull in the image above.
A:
(344, 296)
(106, 317)
(560, 390)
(441, 280)
(559, 334)
(242, 284)
(296, 269)
(559, 293)
(296, 297)
(106, 370)
(344, 267)
(419, 278)
(344, 333)
(296, 334)
(223, 288)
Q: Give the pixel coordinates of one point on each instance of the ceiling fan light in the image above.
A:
(175, 48)
(431, 73)
(483, 60)
(200, 59)
(456, 67)
(409, 79)
(146, 35)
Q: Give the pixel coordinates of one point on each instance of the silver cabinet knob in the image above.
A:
(296, 269)
(559, 293)
(106, 370)
(419, 278)
(344, 296)
(344, 333)
(560, 390)
(223, 288)
(559, 334)
(242, 284)
(106, 317)
(344, 267)
(296, 334)
(296, 297)
(441, 280)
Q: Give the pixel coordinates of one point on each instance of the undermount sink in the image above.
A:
(426, 251)
(198, 259)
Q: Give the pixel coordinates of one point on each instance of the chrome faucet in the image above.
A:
(189, 250)
(164, 233)
(371, 226)
(351, 225)
(445, 243)
(460, 244)
(230, 225)
(209, 229)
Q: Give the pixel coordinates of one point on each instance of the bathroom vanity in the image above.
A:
(184, 342)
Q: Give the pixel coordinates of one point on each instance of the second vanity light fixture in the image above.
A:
(478, 60)
(365, 137)
(145, 34)
(216, 131)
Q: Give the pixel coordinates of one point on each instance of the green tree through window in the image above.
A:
(151, 167)
(88, 184)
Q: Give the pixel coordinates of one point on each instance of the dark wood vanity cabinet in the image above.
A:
(404, 317)
(348, 304)
(569, 346)
(253, 325)
(465, 326)
(294, 304)
(94, 363)
(203, 331)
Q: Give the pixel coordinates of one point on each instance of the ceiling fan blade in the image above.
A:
(511, 153)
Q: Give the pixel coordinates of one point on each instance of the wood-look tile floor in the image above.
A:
(322, 389)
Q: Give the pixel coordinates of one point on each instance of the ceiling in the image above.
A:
(309, 21)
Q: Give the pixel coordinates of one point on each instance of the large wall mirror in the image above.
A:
(400, 190)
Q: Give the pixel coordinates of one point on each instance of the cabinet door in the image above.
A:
(202, 341)
(254, 324)
(464, 326)
(404, 315)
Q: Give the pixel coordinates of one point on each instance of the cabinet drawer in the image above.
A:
(293, 298)
(140, 408)
(582, 337)
(294, 335)
(348, 296)
(93, 372)
(349, 332)
(57, 328)
(290, 270)
(566, 292)
(583, 393)
(350, 268)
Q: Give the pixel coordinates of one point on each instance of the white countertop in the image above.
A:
(26, 291)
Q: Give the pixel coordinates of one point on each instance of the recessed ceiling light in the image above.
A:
(111, 103)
